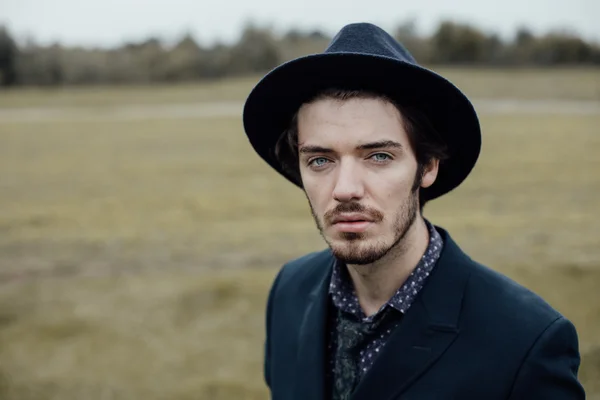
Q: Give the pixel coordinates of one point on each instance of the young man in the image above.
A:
(393, 309)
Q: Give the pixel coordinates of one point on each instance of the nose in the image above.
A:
(348, 186)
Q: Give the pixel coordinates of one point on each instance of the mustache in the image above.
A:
(352, 207)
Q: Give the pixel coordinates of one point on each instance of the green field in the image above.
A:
(136, 254)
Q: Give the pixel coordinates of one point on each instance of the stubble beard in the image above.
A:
(359, 248)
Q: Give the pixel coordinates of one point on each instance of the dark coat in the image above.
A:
(472, 333)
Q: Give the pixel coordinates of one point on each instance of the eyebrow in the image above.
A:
(379, 145)
(314, 149)
(366, 146)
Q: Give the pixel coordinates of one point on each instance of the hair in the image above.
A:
(424, 139)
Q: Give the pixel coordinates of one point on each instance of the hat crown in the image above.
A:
(362, 56)
(369, 39)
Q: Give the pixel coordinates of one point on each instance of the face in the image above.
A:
(358, 171)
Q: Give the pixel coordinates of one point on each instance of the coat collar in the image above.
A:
(427, 329)
(341, 284)
(313, 335)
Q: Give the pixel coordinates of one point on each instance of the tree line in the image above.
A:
(260, 49)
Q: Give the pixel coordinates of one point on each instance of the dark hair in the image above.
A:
(423, 137)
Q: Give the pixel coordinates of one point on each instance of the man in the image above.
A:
(393, 309)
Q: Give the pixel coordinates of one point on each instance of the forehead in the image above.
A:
(350, 121)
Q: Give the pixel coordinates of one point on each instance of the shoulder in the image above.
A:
(508, 300)
(530, 342)
(493, 297)
(307, 265)
(509, 321)
(506, 313)
(520, 330)
(300, 275)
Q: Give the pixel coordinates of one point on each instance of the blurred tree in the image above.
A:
(85, 66)
(259, 50)
(151, 57)
(494, 50)
(524, 37)
(256, 51)
(520, 51)
(562, 48)
(183, 62)
(293, 36)
(318, 35)
(8, 58)
(406, 33)
(215, 61)
(296, 43)
(139, 62)
(455, 43)
(42, 66)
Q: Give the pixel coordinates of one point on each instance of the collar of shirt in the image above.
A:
(344, 296)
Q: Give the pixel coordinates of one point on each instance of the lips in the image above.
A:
(349, 218)
(352, 222)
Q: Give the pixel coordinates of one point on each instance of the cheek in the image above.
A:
(393, 186)
(316, 196)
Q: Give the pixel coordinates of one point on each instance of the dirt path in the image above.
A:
(132, 112)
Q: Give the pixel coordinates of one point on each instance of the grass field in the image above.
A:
(136, 256)
(564, 84)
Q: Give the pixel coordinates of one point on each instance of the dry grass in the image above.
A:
(135, 257)
(565, 84)
(151, 336)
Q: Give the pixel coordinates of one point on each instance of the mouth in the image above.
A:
(355, 223)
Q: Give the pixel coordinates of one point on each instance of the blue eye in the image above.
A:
(380, 157)
(319, 161)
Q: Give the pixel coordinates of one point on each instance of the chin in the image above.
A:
(357, 251)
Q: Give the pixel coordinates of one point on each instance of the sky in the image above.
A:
(108, 23)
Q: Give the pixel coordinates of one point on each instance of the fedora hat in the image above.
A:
(363, 56)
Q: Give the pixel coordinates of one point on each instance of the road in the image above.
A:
(132, 112)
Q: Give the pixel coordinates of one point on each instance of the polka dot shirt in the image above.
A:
(344, 298)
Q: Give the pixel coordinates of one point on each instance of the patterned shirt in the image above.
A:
(344, 299)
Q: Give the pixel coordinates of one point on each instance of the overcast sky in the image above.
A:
(111, 22)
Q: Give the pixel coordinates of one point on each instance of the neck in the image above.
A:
(376, 283)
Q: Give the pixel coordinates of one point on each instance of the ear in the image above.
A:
(430, 173)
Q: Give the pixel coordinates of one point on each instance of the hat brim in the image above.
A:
(277, 97)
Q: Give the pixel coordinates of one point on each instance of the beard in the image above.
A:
(358, 248)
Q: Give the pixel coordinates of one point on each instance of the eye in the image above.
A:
(381, 157)
(318, 162)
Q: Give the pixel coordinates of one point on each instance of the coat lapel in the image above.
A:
(426, 331)
(310, 374)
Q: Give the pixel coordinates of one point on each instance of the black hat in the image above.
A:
(363, 56)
